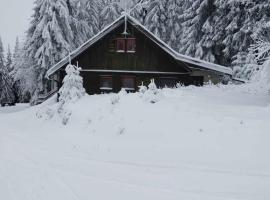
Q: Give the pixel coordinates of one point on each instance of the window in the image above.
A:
(128, 83)
(120, 45)
(106, 83)
(131, 45)
(126, 45)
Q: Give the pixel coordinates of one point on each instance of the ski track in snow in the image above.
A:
(45, 160)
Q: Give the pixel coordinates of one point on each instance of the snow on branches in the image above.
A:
(71, 92)
(6, 84)
(150, 94)
(72, 89)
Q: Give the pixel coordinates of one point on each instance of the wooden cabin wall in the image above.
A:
(148, 56)
(92, 80)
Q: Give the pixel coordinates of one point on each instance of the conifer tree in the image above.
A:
(253, 40)
(17, 66)
(110, 12)
(93, 9)
(6, 90)
(9, 64)
(83, 30)
(194, 19)
(71, 91)
(2, 58)
(156, 18)
(72, 88)
(54, 31)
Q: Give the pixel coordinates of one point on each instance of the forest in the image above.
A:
(233, 33)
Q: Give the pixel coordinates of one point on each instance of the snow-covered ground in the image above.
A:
(209, 143)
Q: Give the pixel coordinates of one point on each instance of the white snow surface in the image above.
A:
(195, 143)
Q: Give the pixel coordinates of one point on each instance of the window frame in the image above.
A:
(133, 78)
(101, 85)
(118, 50)
(125, 42)
(133, 40)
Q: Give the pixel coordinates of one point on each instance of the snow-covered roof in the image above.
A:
(197, 63)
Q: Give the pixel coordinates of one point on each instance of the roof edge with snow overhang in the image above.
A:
(200, 64)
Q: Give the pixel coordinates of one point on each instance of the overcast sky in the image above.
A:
(14, 19)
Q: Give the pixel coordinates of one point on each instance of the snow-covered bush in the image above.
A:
(142, 90)
(152, 87)
(122, 92)
(152, 95)
(115, 99)
(180, 85)
(71, 91)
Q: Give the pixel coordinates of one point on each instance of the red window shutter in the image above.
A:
(120, 45)
(131, 45)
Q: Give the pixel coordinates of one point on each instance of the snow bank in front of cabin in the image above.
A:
(202, 143)
(262, 78)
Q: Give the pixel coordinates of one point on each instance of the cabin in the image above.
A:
(125, 54)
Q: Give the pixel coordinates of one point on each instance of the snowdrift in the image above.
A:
(206, 143)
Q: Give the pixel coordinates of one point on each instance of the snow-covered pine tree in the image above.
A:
(110, 12)
(261, 48)
(17, 66)
(156, 19)
(257, 55)
(194, 19)
(6, 89)
(93, 9)
(213, 34)
(245, 65)
(139, 9)
(54, 31)
(175, 19)
(2, 57)
(163, 18)
(9, 64)
(235, 20)
(259, 51)
(72, 89)
(24, 74)
(16, 58)
(83, 30)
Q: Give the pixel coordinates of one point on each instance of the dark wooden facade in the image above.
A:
(149, 61)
